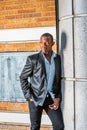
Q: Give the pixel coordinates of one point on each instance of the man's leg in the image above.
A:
(35, 116)
(56, 118)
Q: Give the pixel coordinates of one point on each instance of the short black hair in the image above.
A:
(47, 35)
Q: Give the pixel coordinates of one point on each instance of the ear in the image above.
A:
(53, 43)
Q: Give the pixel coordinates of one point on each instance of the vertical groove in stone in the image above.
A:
(74, 106)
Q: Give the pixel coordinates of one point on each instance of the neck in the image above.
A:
(48, 56)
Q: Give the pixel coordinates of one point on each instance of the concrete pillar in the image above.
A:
(73, 49)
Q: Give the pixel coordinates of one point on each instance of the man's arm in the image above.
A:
(26, 73)
(58, 97)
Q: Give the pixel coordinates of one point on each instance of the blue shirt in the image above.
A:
(50, 73)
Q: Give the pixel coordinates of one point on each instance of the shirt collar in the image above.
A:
(53, 55)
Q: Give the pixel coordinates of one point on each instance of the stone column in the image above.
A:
(73, 49)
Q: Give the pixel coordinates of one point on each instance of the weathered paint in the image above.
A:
(11, 65)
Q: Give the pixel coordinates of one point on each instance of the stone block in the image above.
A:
(67, 104)
(81, 105)
(80, 42)
(80, 7)
(66, 47)
(65, 8)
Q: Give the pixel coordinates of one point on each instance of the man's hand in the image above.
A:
(56, 104)
(30, 99)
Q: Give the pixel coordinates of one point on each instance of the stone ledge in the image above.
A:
(21, 118)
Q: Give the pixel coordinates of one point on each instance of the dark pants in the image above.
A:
(54, 115)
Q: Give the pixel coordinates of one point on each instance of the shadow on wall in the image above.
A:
(63, 45)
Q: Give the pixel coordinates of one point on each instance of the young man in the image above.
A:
(43, 91)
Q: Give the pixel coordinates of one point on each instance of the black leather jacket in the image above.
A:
(35, 70)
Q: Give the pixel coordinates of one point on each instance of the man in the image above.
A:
(43, 90)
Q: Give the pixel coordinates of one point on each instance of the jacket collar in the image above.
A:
(41, 59)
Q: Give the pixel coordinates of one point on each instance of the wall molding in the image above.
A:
(20, 118)
(25, 34)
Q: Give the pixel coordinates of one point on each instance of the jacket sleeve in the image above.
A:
(25, 74)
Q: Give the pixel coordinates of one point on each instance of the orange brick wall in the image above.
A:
(20, 127)
(14, 106)
(25, 46)
(26, 13)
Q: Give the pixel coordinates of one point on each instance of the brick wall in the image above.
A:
(26, 13)
(16, 47)
(20, 127)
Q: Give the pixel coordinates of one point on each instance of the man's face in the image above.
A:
(46, 44)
